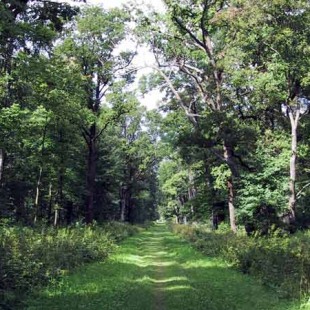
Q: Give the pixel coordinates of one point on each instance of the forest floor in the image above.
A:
(156, 270)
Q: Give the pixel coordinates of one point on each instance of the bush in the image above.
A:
(32, 257)
(119, 231)
(281, 262)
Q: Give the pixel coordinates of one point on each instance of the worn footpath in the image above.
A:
(157, 270)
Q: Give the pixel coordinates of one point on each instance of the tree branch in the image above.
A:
(177, 95)
(298, 195)
(184, 28)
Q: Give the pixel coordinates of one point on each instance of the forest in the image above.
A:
(223, 161)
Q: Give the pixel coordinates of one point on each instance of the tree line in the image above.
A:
(236, 81)
(230, 141)
(75, 144)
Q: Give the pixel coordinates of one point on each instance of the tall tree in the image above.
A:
(274, 62)
(27, 28)
(139, 162)
(92, 44)
(191, 48)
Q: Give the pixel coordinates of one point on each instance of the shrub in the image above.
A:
(32, 257)
(282, 262)
(119, 231)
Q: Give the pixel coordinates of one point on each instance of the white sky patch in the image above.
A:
(158, 5)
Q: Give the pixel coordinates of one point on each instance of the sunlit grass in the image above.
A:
(157, 270)
(178, 287)
(161, 281)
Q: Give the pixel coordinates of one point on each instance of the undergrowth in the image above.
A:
(32, 257)
(282, 262)
(157, 270)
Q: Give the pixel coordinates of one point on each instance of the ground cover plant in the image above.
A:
(281, 262)
(33, 257)
(156, 269)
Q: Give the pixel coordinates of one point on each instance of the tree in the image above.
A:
(38, 130)
(27, 28)
(139, 163)
(92, 45)
(274, 63)
(188, 44)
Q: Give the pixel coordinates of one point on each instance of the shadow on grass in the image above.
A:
(157, 270)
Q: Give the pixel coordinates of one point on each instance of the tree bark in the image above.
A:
(50, 203)
(293, 162)
(37, 196)
(56, 217)
(1, 163)
(231, 207)
(61, 170)
(91, 174)
(228, 155)
(123, 203)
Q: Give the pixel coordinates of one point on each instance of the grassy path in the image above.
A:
(156, 270)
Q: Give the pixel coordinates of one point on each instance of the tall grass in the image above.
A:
(30, 258)
(282, 262)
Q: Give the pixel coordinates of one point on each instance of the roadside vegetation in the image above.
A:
(157, 270)
(279, 262)
(32, 258)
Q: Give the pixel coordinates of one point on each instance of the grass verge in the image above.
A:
(157, 270)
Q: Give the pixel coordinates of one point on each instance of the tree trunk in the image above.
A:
(123, 201)
(91, 175)
(228, 155)
(1, 163)
(293, 161)
(56, 216)
(231, 207)
(191, 190)
(37, 196)
(61, 171)
(50, 203)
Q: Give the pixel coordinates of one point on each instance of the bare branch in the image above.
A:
(204, 96)
(298, 195)
(177, 95)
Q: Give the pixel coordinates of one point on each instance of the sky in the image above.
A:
(157, 4)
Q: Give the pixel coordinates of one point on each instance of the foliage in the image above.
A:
(31, 258)
(262, 194)
(280, 261)
(230, 142)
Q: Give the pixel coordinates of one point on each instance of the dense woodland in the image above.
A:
(230, 140)
(228, 145)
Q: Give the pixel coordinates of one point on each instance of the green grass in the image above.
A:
(157, 270)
